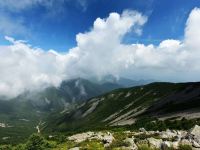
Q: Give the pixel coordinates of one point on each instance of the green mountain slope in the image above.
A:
(124, 106)
(18, 120)
(20, 116)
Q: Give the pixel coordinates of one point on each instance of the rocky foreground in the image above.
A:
(127, 140)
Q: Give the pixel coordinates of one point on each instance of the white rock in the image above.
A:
(142, 130)
(185, 142)
(75, 148)
(175, 145)
(166, 145)
(195, 131)
(167, 134)
(107, 140)
(195, 144)
(81, 137)
(182, 133)
(132, 146)
(155, 142)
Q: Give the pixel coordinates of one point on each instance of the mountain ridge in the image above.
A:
(124, 106)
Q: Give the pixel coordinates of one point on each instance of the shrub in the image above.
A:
(118, 143)
(144, 147)
(36, 142)
(91, 145)
(20, 147)
(185, 147)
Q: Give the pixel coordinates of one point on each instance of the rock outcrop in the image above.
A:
(105, 137)
(160, 140)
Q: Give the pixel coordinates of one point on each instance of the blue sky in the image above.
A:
(141, 39)
(55, 26)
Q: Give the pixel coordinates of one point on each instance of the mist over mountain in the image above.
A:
(125, 73)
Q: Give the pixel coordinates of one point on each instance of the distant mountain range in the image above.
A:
(124, 82)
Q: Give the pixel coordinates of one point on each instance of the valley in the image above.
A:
(156, 106)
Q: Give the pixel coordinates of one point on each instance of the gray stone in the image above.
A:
(185, 142)
(132, 146)
(195, 131)
(166, 145)
(195, 144)
(75, 148)
(156, 143)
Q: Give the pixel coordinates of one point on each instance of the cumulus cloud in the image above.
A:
(99, 52)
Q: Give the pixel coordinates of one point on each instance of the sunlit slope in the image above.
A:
(124, 106)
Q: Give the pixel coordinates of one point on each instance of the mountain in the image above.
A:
(124, 82)
(18, 119)
(125, 106)
(20, 116)
(68, 94)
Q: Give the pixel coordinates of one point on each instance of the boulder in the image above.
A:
(185, 142)
(195, 131)
(168, 134)
(107, 140)
(156, 143)
(194, 136)
(75, 148)
(182, 133)
(166, 145)
(132, 146)
(81, 137)
(195, 144)
(175, 145)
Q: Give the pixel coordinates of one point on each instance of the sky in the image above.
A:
(53, 24)
(43, 42)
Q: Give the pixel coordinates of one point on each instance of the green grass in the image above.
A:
(145, 147)
(185, 147)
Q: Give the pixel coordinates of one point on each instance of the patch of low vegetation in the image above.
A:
(185, 147)
(119, 141)
(159, 125)
(34, 142)
(145, 147)
(117, 144)
(91, 145)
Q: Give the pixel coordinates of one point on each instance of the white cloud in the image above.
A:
(99, 52)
